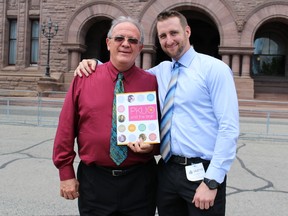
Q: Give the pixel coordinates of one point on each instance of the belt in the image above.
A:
(120, 172)
(187, 161)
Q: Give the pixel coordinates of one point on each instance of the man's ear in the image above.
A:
(108, 44)
(188, 31)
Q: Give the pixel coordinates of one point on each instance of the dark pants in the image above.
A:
(131, 194)
(175, 193)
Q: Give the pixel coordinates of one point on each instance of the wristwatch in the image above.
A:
(211, 183)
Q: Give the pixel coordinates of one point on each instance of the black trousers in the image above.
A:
(176, 192)
(131, 194)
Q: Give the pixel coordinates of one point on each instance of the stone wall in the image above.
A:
(62, 12)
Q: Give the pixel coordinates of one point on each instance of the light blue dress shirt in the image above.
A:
(206, 118)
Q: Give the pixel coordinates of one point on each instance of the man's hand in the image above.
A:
(86, 67)
(69, 189)
(204, 197)
(140, 147)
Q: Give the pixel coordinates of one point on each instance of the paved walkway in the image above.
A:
(29, 184)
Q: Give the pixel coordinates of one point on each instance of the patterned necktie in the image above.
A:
(166, 119)
(117, 153)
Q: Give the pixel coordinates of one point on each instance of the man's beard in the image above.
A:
(178, 52)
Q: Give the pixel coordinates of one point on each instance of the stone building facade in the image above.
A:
(250, 36)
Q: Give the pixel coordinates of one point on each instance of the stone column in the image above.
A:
(246, 66)
(244, 84)
(236, 65)
(226, 59)
(147, 57)
(147, 61)
(75, 59)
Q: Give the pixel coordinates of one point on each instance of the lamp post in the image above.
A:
(49, 33)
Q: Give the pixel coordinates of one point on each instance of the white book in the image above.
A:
(137, 116)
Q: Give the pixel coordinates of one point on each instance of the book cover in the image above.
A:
(137, 116)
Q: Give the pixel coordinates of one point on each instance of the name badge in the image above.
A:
(195, 172)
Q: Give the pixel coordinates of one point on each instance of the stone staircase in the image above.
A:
(269, 86)
(264, 105)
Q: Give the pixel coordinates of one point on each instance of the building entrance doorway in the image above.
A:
(95, 41)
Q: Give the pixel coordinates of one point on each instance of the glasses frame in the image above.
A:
(121, 38)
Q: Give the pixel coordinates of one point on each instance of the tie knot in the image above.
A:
(120, 76)
(176, 65)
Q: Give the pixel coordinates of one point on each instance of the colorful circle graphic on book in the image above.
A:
(132, 138)
(143, 136)
(152, 127)
(151, 109)
(121, 118)
(121, 108)
(120, 99)
(132, 127)
(140, 97)
(121, 128)
(150, 97)
(152, 136)
(131, 98)
(142, 127)
(122, 138)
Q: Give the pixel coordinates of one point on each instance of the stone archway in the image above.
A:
(80, 23)
(204, 37)
(265, 88)
(78, 26)
(259, 16)
(74, 30)
(216, 10)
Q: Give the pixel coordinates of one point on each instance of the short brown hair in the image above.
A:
(172, 13)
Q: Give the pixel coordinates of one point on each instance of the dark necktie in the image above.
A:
(117, 153)
(167, 113)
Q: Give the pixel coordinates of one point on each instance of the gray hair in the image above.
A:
(123, 19)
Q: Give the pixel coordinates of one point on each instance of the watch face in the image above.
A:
(212, 184)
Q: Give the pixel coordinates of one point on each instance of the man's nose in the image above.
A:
(169, 39)
(125, 42)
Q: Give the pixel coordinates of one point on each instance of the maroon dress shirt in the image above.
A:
(87, 115)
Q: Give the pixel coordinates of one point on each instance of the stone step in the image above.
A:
(272, 86)
(271, 97)
(264, 108)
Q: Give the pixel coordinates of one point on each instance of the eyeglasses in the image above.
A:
(120, 39)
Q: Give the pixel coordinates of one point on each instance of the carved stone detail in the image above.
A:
(12, 4)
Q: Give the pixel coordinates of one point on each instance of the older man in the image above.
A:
(111, 180)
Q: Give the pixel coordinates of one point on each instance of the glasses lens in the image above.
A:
(119, 38)
(132, 40)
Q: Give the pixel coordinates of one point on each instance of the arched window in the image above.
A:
(269, 53)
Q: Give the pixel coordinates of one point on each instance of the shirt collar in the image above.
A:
(186, 59)
(114, 72)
